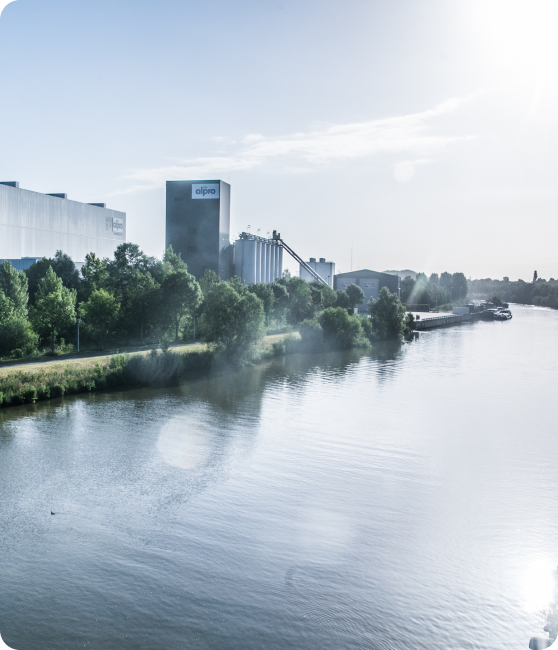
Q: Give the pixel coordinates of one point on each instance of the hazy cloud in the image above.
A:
(328, 144)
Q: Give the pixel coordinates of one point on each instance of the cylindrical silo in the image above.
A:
(272, 264)
(280, 268)
(248, 270)
(263, 255)
(267, 262)
(258, 261)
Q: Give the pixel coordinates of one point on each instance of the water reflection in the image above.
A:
(346, 500)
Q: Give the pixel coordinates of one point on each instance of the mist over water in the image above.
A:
(404, 498)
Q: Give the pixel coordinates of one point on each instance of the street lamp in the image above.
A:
(78, 322)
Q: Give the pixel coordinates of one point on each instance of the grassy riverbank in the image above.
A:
(41, 381)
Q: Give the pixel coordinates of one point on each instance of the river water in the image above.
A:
(404, 498)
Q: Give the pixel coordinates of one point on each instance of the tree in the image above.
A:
(340, 329)
(15, 333)
(387, 315)
(142, 293)
(13, 284)
(407, 286)
(459, 287)
(434, 279)
(355, 294)
(180, 293)
(95, 275)
(280, 300)
(266, 295)
(35, 273)
(446, 280)
(233, 322)
(65, 269)
(301, 305)
(100, 313)
(55, 306)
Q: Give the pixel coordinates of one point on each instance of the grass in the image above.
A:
(30, 382)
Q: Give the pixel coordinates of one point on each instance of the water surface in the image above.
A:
(407, 497)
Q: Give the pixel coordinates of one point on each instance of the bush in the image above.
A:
(311, 334)
(30, 395)
(17, 354)
(16, 333)
(58, 390)
(1, 397)
(341, 330)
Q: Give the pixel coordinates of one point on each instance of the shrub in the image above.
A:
(30, 395)
(16, 333)
(311, 334)
(1, 397)
(17, 354)
(341, 330)
(58, 390)
(44, 392)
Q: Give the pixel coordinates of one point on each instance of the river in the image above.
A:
(406, 497)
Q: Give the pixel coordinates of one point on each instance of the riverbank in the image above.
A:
(31, 382)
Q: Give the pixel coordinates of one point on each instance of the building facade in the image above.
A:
(198, 225)
(371, 282)
(35, 225)
(326, 270)
(257, 260)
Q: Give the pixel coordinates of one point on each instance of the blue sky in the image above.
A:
(420, 134)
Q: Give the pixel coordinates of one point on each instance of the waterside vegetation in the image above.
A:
(158, 301)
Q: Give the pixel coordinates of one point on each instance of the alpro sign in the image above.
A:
(208, 191)
(118, 226)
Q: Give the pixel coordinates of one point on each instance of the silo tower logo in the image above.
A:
(205, 190)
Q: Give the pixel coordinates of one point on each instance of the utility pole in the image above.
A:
(78, 322)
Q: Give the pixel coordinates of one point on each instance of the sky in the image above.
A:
(416, 134)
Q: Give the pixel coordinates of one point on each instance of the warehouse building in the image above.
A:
(257, 259)
(198, 225)
(326, 270)
(35, 225)
(371, 282)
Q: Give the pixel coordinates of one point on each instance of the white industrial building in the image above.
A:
(326, 270)
(35, 225)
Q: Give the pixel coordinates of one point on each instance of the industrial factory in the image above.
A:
(35, 225)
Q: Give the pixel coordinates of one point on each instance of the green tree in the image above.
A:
(340, 329)
(266, 294)
(180, 293)
(233, 322)
(100, 314)
(446, 280)
(35, 273)
(355, 294)
(280, 301)
(65, 269)
(407, 286)
(143, 297)
(55, 306)
(95, 275)
(459, 288)
(13, 284)
(387, 315)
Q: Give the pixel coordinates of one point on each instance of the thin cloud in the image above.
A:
(325, 145)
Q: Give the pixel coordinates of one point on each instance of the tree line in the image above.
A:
(436, 290)
(540, 292)
(136, 299)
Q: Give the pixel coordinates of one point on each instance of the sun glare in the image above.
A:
(537, 584)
